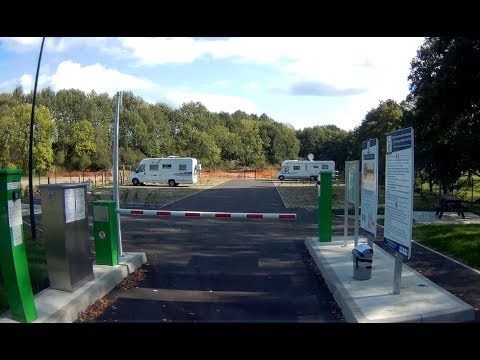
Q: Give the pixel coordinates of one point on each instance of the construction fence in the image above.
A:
(102, 179)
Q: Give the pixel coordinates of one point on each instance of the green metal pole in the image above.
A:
(105, 232)
(325, 207)
(13, 256)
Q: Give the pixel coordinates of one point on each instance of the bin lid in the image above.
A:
(363, 249)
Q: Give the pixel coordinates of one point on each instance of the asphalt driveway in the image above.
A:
(223, 270)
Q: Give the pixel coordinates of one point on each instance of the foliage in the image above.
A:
(445, 101)
(15, 140)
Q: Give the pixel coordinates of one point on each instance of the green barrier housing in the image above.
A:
(105, 232)
(13, 256)
(325, 207)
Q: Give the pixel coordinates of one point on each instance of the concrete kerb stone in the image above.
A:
(376, 303)
(63, 306)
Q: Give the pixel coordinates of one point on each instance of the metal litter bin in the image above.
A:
(362, 262)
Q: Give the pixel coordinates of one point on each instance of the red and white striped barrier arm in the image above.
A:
(207, 214)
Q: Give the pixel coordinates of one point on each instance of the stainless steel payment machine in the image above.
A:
(65, 230)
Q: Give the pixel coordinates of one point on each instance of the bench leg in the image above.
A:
(440, 214)
(463, 215)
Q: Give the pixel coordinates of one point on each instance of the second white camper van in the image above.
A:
(171, 170)
(307, 170)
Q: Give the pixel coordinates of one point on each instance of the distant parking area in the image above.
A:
(304, 194)
(152, 196)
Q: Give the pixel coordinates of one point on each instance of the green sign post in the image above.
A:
(105, 232)
(13, 256)
(325, 206)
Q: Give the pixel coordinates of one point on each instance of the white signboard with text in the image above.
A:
(369, 189)
(399, 181)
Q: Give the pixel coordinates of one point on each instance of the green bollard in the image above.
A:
(13, 256)
(105, 232)
(325, 207)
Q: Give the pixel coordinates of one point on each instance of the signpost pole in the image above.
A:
(345, 209)
(357, 200)
(370, 240)
(397, 273)
(115, 171)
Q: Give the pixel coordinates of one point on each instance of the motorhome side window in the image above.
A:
(315, 166)
(141, 168)
(166, 166)
(182, 167)
(154, 167)
(296, 167)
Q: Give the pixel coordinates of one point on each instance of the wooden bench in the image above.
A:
(449, 203)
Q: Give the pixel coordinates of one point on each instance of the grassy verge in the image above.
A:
(461, 242)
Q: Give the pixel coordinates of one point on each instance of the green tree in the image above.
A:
(201, 145)
(279, 141)
(251, 153)
(82, 145)
(14, 140)
(327, 142)
(385, 118)
(445, 95)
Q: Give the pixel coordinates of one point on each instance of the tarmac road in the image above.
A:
(223, 270)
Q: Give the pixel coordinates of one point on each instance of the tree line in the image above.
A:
(74, 130)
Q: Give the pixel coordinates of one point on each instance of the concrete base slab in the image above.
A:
(63, 306)
(363, 301)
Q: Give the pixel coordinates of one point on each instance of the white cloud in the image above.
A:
(221, 83)
(8, 85)
(214, 103)
(52, 44)
(157, 51)
(20, 44)
(379, 66)
(252, 85)
(26, 81)
(97, 77)
(94, 77)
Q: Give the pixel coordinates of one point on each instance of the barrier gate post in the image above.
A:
(105, 232)
(13, 256)
(325, 206)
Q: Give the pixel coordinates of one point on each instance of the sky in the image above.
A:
(303, 82)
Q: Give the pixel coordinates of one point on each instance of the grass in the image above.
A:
(37, 266)
(461, 242)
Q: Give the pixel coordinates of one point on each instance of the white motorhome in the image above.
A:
(304, 169)
(171, 170)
